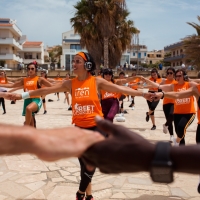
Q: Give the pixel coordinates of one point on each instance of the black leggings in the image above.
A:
(86, 175)
(2, 101)
(181, 123)
(198, 134)
(169, 115)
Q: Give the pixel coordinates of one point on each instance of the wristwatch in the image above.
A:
(162, 167)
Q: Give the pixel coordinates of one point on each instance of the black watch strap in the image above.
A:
(161, 165)
(162, 151)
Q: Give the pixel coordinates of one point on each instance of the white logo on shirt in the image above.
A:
(184, 100)
(107, 94)
(29, 83)
(82, 110)
(82, 92)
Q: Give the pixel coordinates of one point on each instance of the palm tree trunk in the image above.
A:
(106, 61)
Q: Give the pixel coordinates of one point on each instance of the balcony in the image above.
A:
(33, 49)
(11, 41)
(173, 46)
(174, 58)
(5, 56)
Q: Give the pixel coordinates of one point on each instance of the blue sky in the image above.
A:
(161, 22)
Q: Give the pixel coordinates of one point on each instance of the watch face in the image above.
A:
(162, 174)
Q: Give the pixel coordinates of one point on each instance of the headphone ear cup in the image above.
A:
(88, 66)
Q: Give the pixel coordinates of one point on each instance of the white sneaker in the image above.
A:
(165, 129)
(132, 107)
(171, 138)
(175, 142)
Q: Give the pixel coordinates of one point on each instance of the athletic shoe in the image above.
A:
(125, 112)
(165, 129)
(89, 197)
(70, 108)
(153, 127)
(147, 116)
(132, 107)
(80, 196)
(175, 142)
(45, 112)
(198, 188)
(171, 138)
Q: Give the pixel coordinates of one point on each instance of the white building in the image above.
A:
(10, 44)
(71, 46)
(14, 47)
(32, 51)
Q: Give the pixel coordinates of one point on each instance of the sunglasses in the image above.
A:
(76, 62)
(169, 73)
(108, 73)
(178, 76)
(30, 68)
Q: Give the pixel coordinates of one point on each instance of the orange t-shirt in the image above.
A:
(58, 79)
(185, 105)
(31, 84)
(158, 80)
(167, 100)
(3, 81)
(135, 81)
(108, 95)
(198, 106)
(85, 102)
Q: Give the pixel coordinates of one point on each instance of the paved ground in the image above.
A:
(26, 177)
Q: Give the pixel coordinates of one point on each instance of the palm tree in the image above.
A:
(104, 29)
(191, 45)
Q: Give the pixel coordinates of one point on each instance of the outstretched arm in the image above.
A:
(49, 145)
(130, 152)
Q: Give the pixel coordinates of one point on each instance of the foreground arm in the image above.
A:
(132, 153)
(49, 145)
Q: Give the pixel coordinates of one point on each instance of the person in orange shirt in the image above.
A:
(184, 111)
(85, 104)
(32, 82)
(67, 93)
(155, 77)
(134, 85)
(168, 104)
(57, 79)
(3, 80)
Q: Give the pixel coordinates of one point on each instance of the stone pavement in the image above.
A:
(26, 177)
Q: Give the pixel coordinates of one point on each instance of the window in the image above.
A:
(139, 55)
(158, 55)
(75, 46)
(145, 54)
(133, 54)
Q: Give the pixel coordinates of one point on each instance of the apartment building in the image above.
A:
(154, 56)
(32, 51)
(138, 54)
(10, 44)
(14, 47)
(174, 54)
(71, 46)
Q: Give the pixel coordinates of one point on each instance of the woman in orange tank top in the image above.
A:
(134, 85)
(85, 103)
(184, 111)
(3, 80)
(32, 82)
(168, 104)
(155, 77)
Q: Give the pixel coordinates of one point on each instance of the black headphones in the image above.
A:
(88, 63)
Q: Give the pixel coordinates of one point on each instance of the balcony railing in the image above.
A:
(179, 57)
(11, 41)
(5, 56)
